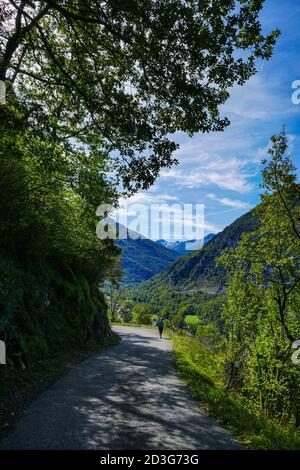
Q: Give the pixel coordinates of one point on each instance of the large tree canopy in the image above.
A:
(123, 75)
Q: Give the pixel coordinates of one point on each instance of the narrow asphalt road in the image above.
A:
(127, 397)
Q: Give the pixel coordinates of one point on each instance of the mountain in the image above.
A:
(142, 258)
(199, 270)
(192, 281)
(180, 246)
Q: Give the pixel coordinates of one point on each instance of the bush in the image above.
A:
(141, 314)
(202, 370)
(210, 336)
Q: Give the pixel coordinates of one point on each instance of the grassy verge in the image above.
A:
(201, 370)
(19, 386)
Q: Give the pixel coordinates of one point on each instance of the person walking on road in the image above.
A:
(160, 325)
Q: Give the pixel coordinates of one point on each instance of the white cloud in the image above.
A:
(256, 100)
(204, 148)
(225, 201)
(231, 177)
(148, 198)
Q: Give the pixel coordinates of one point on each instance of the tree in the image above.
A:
(280, 182)
(51, 262)
(141, 314)
(113, 301)
(177, 320)
(123, 76)
(126, 310)
(263, 294)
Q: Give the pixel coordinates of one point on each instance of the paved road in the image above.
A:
(127, 397)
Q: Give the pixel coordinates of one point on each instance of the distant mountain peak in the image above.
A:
(184, 247)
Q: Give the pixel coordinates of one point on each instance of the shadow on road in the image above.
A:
(128, 397)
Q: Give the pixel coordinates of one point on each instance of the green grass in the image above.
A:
(19, 386)
(191, 320)
(201, 370)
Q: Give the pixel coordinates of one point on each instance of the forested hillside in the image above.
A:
(195, 283)
(142, 258)
(199, 270)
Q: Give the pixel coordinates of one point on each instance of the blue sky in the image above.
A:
(222, 170)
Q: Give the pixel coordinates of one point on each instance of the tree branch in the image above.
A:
(15, 40)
